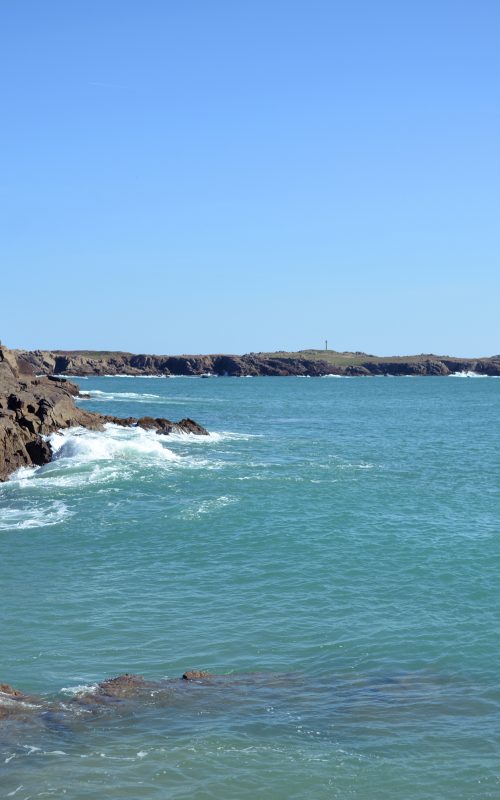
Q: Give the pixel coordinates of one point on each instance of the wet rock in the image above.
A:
(14, 703)
(196, 675)
(159, 424)
(32, 407)
(122, 686)
(190, 426)
(5, 688)
(39, 451)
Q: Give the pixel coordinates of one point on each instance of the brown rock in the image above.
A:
(32, 407)
(196, 675)
(5, 688)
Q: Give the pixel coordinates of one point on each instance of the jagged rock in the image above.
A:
(187, 425)
(95, 363)
(39, 451)
(33, 407)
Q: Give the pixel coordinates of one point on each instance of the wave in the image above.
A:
(101, 459)
(81, 689)
(67, 375)
(467, 374)
(36, 516)
(97, 394)
(207, 507)
(212, 438)
(114, 442)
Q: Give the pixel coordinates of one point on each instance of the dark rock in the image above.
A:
(39, 451)
(34, 407)
(95, 363)
(189, 426)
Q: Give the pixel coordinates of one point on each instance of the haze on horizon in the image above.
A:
(218, 177)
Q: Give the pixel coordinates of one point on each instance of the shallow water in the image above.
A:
(332, 547)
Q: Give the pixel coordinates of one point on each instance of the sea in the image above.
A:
(330, 552)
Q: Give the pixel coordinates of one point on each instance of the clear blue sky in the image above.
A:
(211, 176)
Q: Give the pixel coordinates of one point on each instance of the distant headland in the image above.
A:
(315, 363)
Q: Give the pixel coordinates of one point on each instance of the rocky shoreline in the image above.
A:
(32, 407)
(312, 363)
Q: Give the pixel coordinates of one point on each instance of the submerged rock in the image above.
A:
(196, 675)
(14, 702)
(122, 686)
(5, 688)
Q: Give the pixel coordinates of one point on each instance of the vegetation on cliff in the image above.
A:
(304, 362)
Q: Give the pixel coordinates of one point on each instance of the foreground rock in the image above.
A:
(32, 407)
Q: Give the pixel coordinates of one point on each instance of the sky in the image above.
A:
(209, 176)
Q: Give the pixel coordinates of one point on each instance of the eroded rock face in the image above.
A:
(94, 363)
(32, 407)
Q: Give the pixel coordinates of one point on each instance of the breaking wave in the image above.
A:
(114, 442)
(467, 374)
(97, 394)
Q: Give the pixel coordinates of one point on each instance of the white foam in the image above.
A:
(467, 374)
(12, 702)
(15, 791)
(212, 438)
(115, 442)
(38, 516)
(80, 377)
(97, 394)
(81, 688)
(208, 507)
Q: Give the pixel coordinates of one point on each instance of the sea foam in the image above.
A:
(97, 394)
(37, 515)
(114, 442)
(467, 374)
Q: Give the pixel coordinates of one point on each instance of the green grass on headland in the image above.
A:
(345, 359)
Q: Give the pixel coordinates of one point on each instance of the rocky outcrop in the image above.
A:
(310, 363)
(196, 675)
(32, 407)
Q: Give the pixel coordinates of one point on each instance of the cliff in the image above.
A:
(305, 362)
(32, 407)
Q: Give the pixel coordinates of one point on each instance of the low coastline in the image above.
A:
(314, 363)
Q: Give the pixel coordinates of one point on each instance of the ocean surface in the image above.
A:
(332, 549)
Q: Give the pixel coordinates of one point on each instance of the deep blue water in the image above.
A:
(333, 547)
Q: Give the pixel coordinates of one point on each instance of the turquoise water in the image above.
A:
(333, 549)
